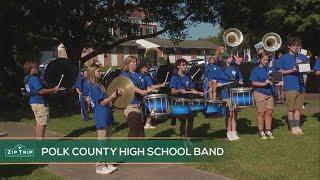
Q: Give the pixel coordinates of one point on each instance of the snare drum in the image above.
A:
(241, 97)
(198, 105)
(215, 107)
(156, 105)
(180, 107)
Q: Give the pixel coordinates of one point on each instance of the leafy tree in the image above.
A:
(87, 23)
(287, 17)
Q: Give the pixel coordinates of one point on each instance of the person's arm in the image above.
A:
(289, 71)
(261, 84)
(78, 91)
(317, 73)
(48, 91)
(178, 91)
(113, 97)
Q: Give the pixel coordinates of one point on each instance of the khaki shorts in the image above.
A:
(230, 105)
(294, 100)
(131, 108)
(263, 102)
(41, 113)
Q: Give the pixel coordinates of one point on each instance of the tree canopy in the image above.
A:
(286, 17)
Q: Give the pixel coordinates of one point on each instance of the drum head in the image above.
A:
(56, 68)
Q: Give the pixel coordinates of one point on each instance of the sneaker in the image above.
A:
(149, 126)
(262, 135)
(294, 131)
(299, 130)
(235, 135)
(230, 136)
(111, 167)
(269, 135)
(102, 169)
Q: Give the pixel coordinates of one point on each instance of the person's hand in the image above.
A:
(56, 89)
(200, 93)
(163, 84)
(268, 82)
(119, 91)
(182, 91)
(219, 84)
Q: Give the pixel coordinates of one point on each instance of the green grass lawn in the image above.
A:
(285, 157)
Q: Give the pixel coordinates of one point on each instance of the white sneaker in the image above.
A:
(149, 126)
(262, 135)
(269, 135)
(294, 131)
(111, 167)
(299, 130)
(102, 169)
(230, 136)
(235, 135)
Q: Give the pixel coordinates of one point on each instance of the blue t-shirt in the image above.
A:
(145, 81)
(229, 74)
(260, 74)
(33, 85)
(82, 85)
(317, 65)
(181, 82)
(102, 114)
(134, 77)
(292, 81)
(213, 71)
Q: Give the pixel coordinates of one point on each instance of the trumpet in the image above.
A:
(232, 37)
(271, 42)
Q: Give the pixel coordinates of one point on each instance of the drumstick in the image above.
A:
(62, 75)
(207, 91)
(195, 74)
(165, 81)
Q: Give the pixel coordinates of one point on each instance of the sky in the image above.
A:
(202, 30)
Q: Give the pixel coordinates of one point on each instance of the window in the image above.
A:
(149, 30)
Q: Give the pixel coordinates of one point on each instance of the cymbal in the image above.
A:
(128, 94)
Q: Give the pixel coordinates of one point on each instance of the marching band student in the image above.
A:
(213, 72)
(83, 90)
(145, 82)
(316, 67)
(263, 96)
(181, 85)
(37, 91)
(293, 85)
(230, 73)
(102, 111)
(132, 112)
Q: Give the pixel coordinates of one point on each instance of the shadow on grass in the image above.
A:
(317, 115)
(7, 171)
(79, 132)
(202, 131)
(165, 133)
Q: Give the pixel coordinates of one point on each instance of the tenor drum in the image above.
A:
(215, 108)
(180, 107)
(241, 97)
(156, 105)
(198, 105)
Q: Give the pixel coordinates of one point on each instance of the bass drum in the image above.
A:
(108, 78)
(57, 67)
(161, 77)
(246, 69)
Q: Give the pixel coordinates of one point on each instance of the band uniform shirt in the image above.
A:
(181, 82)
(229, 74)
(292, 81)
(82, 85)
(33, 85)
(261, 74)
(145, 80)
(102, 114)
(213, 71)
(134, 77)
(317, 65)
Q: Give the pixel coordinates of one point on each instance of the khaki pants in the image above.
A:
(41, 113)
(294, 100)
(263, 102)
(133, 116)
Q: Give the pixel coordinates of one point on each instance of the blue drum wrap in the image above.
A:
(198, 106)
(242, 97)
(156, 105)
(180, 108)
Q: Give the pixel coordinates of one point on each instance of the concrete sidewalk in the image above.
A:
(125, 172)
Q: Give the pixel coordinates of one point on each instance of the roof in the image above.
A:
(187, 44)
(129, 43)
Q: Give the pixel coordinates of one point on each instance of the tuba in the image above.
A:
(271, 42)
(232, 37)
